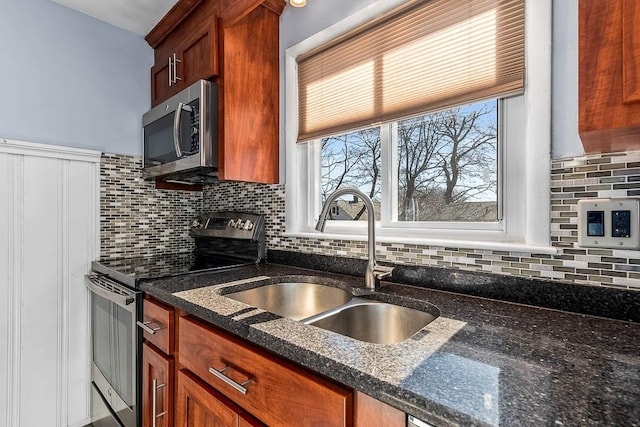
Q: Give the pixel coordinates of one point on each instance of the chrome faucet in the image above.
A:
(373, 273)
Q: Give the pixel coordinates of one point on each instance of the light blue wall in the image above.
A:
(69, 79)
(301, 23)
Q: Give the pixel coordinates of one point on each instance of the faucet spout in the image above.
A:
(373, 273)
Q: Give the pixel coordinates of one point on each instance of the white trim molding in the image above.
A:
(537, 132)
(51, 151)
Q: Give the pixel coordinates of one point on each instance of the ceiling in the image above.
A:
(137, 16)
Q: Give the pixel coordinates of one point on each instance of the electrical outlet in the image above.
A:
(609, 223)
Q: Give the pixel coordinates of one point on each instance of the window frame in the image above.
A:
(525, 205)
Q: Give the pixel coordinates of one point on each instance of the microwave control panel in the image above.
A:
(194, 125)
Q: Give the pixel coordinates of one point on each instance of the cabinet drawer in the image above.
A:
(158, 318)
(271, 389)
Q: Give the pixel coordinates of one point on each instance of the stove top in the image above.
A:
(222, 240)
(131, 271)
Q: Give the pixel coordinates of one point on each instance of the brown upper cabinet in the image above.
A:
(609, 75)
(235, 44)
(187, 55)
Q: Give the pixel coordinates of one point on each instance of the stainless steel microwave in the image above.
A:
(180, 135)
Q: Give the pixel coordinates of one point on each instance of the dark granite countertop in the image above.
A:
(481, 362)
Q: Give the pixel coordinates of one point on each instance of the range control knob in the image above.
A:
(235, 223)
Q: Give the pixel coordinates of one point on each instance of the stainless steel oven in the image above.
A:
(115, 343)
(222, 240)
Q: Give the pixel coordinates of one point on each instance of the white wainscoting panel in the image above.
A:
(49, 234)
(6, 291)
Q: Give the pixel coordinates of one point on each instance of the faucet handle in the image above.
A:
(382, 271)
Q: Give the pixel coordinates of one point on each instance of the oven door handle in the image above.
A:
(123, 300)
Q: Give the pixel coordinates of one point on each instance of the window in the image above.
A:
(351, 160)
(445, 168)
(458, 165)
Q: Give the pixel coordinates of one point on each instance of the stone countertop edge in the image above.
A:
(477, 349)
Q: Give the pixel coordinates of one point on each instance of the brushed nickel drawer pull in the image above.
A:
(175, 69)
(154, 400)
(145, 326)
(219, 373)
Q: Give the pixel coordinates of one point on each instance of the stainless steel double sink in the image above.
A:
(337, 310)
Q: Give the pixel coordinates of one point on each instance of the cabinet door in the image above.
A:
(369, 412)
(157, 388)
(250, 110)
(198, 54)
(195, 45)
(197, 405)
(160, 89)
(609, 80)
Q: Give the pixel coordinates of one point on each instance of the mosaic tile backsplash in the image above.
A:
(267, 200)
(135, 218)
(609, 175)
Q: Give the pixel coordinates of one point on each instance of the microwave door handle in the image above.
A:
(176, 130)
(177, 143)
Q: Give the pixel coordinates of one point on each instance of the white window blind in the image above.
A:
(424, 56)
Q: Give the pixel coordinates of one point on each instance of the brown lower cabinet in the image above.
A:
(198, 405)
(369, 412)
(222, 380)
(271, 389)
(157, 388)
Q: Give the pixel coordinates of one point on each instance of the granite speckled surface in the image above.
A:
(481, 362)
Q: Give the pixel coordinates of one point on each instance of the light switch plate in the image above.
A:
(600, 219)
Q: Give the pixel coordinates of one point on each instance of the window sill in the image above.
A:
(467, 244)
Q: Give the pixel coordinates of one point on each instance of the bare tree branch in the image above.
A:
(443, 160)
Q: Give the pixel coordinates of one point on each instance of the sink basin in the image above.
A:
(294, 300)
(336, 310)
(375, 322)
